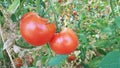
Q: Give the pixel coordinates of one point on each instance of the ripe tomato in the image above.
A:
(59, 1)
(18, 62)
(35, 29)
(64, 42)
(75, 12)
(71, 57)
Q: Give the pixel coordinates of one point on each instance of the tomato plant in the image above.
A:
(18, 62)
(64, 42)
(96, 22)
(35, 29)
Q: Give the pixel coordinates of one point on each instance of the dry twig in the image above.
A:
(10, 40)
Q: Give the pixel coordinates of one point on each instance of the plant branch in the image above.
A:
(8, 43)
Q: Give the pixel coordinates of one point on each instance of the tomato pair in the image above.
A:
(37, 31)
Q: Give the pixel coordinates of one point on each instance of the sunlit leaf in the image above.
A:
(13, 7)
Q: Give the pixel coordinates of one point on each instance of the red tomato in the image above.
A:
(64, 42)
(60, 1)
(71, 57)
(18, 62)
(75, 12)
(35, 29)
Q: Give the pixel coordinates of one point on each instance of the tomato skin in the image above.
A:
(64, 42)
(59, 1)
(35, 29)
(75, 12)
(18, 62)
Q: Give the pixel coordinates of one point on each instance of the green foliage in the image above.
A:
(21, 43)
(13, 7)
(56, 60)
(83, 38)
(117, 22)
(44, 59)
(111, 60)
(1, 19)
(1, 50)
(95, 62)
(1, 54)
(83, 53)
(40, 7)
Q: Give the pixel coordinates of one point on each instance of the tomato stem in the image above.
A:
(55, 14)
(49, 50)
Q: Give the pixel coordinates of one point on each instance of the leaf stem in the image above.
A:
(49, 49)
(55, 13)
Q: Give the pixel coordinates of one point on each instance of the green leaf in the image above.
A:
(1, 20)
(83, 38)
(13, 17)
(1, 43)
(108, 30)
(103, 43)
(13, 7)
(43, 59)
(83, 53)
(1, 50)
(56, 60)
(47, 11)
(43, 4)
(111, 60)
(1, 53)
(94, 62)
(40, 7)
(21, 43)
(117, 21)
